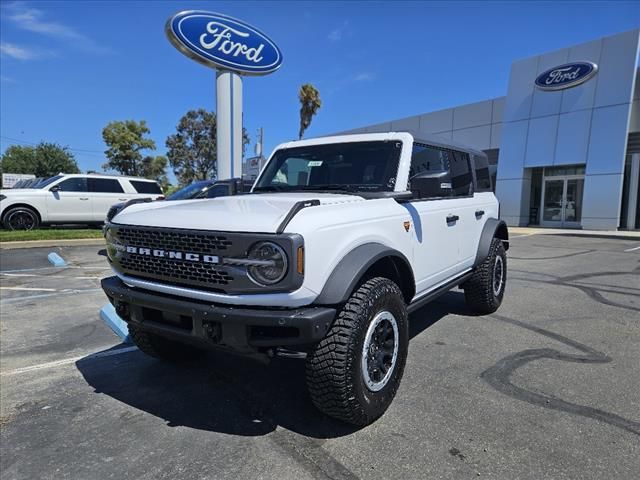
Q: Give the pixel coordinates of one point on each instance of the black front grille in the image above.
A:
(182, 271)
(171, 240)
(178, 271)
(194, 258)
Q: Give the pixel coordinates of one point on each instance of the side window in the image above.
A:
(76, 184)
(104, 185)
(461, 177)
(146, 187)
(425, 158)
(483, 176)
(218, 191)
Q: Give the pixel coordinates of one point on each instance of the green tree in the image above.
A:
(43, 160)
(310, 103)
(192, 149)
(125, 141)
(155, 168)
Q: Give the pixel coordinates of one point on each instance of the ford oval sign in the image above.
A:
(223, 42)
(566, 76)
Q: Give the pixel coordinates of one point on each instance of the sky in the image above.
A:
(67, 68)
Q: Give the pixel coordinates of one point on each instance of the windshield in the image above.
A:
(48, 181)
(351, 167)
(188, 192)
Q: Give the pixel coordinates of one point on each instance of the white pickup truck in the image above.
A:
(340, 239)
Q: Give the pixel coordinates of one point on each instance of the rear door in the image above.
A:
(71, 203)
(105, 192)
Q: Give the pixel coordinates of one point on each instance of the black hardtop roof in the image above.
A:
(438, 141)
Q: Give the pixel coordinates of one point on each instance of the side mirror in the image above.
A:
(431, 184)
(55, 188)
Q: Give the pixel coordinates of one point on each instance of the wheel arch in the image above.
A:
(369, 259)
(493, 228)
(20, 205)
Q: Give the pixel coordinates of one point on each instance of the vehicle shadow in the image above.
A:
(226, 393)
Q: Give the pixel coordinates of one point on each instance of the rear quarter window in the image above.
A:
(483, 176)
(146, 187)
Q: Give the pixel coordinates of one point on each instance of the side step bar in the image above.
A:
(438, 291)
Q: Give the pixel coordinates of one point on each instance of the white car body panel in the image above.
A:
(261, 213)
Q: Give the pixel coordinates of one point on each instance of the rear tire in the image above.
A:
(162, 348)
(354, 372)
(484, 291)
(21, 218)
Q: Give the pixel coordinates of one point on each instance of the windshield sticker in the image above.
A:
(315, 163)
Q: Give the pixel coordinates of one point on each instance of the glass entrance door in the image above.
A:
(562, 202)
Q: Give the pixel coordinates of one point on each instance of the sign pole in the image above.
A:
(229, 124)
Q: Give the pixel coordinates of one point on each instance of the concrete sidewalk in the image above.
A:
(623, 234)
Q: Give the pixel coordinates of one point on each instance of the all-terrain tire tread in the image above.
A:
(327, 372)
(478, 290)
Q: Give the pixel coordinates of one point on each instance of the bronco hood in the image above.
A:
(260, 213)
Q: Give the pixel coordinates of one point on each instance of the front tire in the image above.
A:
(21, 218)
(162, 348)
(484, 291)
(354, 372)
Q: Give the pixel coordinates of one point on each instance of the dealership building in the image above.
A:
(565, 138)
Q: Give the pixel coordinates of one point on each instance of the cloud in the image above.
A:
(17, 52)
(364, 77)
(336, 34)
(33, 20)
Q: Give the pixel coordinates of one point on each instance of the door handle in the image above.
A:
(452, 218)
(479, 213)
(122, 199)
(84, 198)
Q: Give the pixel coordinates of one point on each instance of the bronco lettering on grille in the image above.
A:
(191, 257)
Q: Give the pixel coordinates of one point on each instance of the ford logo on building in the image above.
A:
(223, 42)
(566, 76)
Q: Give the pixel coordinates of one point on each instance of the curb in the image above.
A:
(52, 243)
(114, 322)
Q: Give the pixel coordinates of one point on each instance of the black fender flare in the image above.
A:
(493, 228)
(344, 278)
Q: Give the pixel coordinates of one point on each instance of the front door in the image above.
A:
(71, 202)
(562, 202)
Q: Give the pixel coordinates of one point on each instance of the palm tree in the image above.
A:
(310, 103)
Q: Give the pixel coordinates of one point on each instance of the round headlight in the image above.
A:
(114, 247)
(271, 263)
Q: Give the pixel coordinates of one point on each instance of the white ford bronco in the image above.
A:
(340, 239)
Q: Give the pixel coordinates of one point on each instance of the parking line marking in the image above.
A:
(29, 289)
(49, 268)
(21, 274)
(46, 295)
(632, 249)
(67, 361)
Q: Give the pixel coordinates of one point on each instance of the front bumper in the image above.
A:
(241, 329)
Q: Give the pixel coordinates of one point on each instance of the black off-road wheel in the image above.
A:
(163, 348)
(354, 372)
(483, 292)
(21, 218)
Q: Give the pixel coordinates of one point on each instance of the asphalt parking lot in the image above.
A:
(546, 388)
